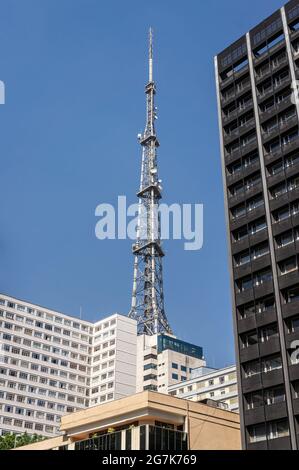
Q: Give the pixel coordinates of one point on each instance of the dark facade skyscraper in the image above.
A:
(258, 119)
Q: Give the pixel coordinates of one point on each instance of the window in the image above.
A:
(292, 295)
(183, 368)
(293, 324)
(175, 376)
(268, 332)
(150, 356)
(149, 377)
(174, 365)
(150, 366)
(274, 395)
(278, 429)
(257, 433)
(288, 265)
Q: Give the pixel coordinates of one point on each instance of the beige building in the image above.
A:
(164, 360)
(146, 421)
(206, 383)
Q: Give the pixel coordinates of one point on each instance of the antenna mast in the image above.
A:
(147, 296)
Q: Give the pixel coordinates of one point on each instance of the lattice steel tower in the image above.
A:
(148, 297)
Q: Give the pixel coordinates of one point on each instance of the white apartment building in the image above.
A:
(163, 360)
(52, 364)
(206, 383)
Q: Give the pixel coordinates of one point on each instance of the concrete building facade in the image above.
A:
(52, 364)
(208, 384)
(163, 360)
(257, 78)
(146, 421)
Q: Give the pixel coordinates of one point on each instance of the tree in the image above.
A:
(10, 441)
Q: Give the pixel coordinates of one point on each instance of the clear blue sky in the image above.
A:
(75, 72)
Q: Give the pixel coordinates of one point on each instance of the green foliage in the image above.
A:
(10, 441)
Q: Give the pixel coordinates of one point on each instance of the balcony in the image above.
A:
(243, 173)
(245, 193)
(286, 172)
(263, 380)
(243, 270)
(272, 378)
(276, 411)
(294, 372)
(227, 81)
(261, 445)
(254, 416)
(250, 216)
(275, 109)
(279, 127)
(281, 443)
(248, 295)
(250, 384)
(279, 46)
(264, 318)
(284, 198)
(239, 131)
(254, 239)
(269, 69)
(288, 280)
(296, 406)
(238, 91)
(257, 320)
(274, 88)
(249, 353)
(271, 346)
(286, 251)
(285, 224)
(236, 112)
(290, 309)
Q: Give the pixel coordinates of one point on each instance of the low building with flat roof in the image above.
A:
(207, 383)
(146, 421)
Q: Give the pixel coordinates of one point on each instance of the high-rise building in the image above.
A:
(258, 119)
(52, 364)
(207, 385)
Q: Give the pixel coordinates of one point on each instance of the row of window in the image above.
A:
(102, 388)
(38, 357)
(46, 347)
(45, 315)
(44, 380)
(268, 431)
(28, 425)
(102, 399)
(33, 378)
(265, 304)
(269, 396)
(38, 402)
(261, 249)
(205, 384)
(54, 318)
(258, 278)
(106, 375)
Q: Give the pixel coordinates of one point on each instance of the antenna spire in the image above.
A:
(148, 297)
(150, 55)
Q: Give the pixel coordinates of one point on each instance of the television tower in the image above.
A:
(148, 297)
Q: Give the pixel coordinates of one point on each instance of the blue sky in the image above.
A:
(75, 72)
